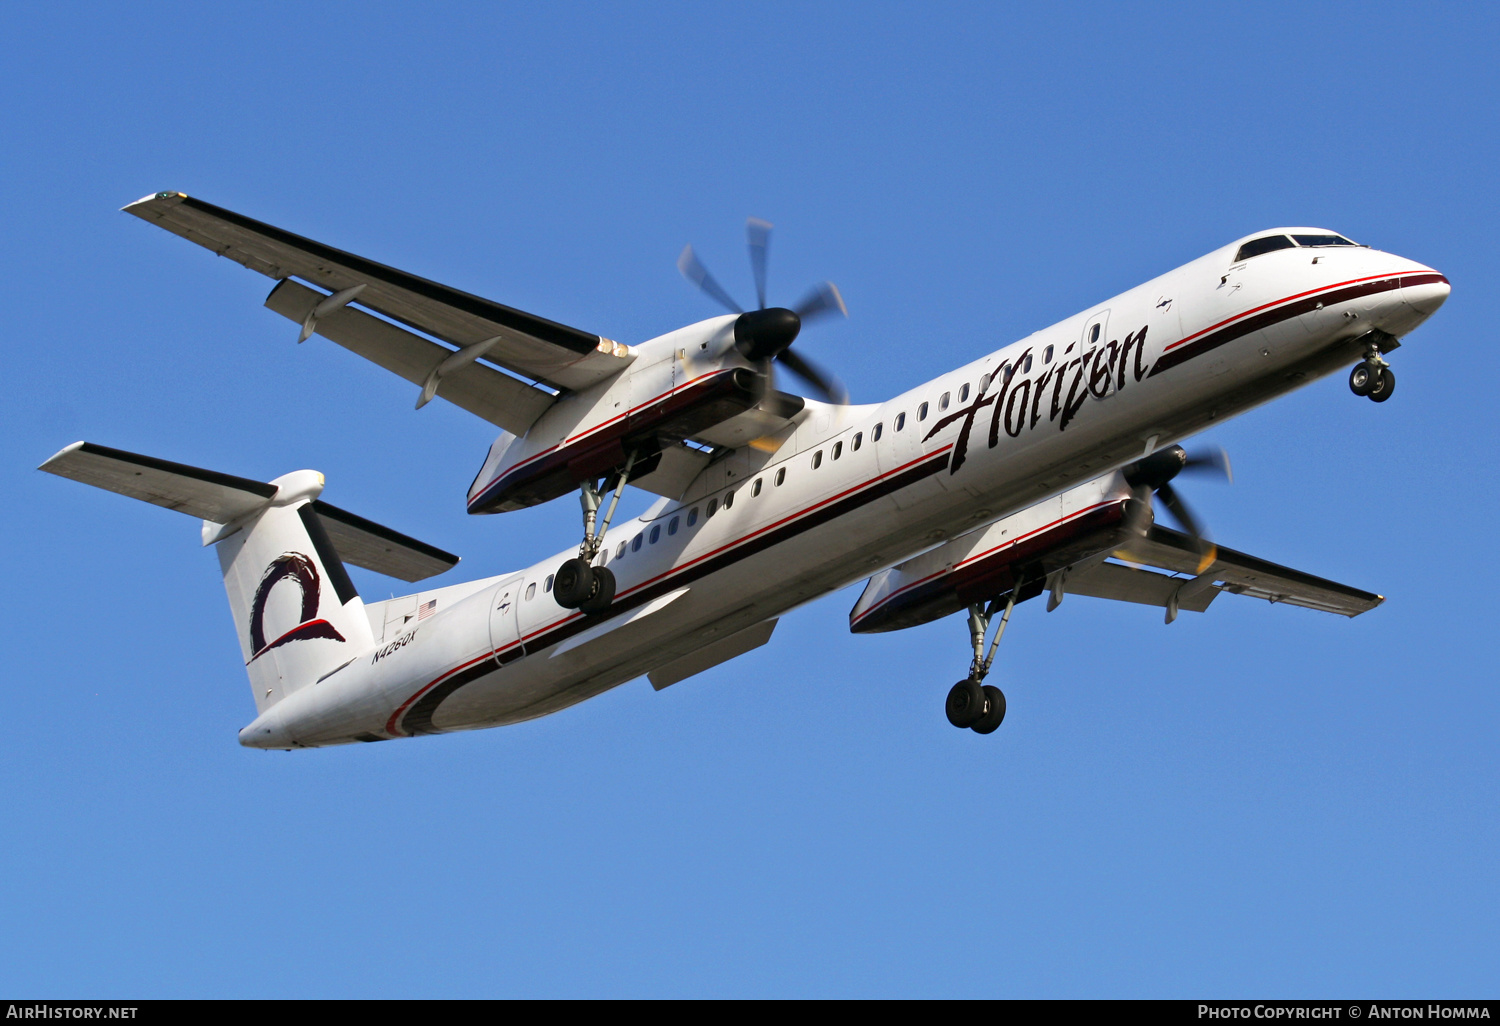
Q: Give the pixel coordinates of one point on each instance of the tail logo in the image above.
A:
(296, 567)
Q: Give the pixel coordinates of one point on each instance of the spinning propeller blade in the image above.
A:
(758, 234)
(767, 333)
(693, 270)
(1153, 475)
(824, 299)
(829, 388)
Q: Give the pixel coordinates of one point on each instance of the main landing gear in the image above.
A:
(1372, 377)
(972, 703)
(579, 584)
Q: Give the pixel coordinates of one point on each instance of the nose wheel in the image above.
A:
(972, 703)
(1372, 377)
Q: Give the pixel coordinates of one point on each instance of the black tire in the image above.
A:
(1363, 377)
(965, 703)
(603, 594)
(1385, 388)
(573, 584)
(994, 714)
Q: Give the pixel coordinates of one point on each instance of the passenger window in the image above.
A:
(728, 499)
(620, 551)
(672, 527)
(1269, 244)
(655, 533)
(692, 516)
(922, 412)
(875, 433)
(943, 402)
(963, 393)
(1093, 334)
(1027, 368)
(780, 476)
(713, 507)
(548, 585)
(817, 459)
(838, 449)
(900, 421)
(755, 490)
(1047, 355)
(859, 437)
(530, 591)
(635, 544)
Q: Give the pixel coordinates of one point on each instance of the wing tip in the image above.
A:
(64, 451)
(155, 197)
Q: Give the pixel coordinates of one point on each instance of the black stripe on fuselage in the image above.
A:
(1297, 308)
(418, 719)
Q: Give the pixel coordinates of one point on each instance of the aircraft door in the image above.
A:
(505, 600)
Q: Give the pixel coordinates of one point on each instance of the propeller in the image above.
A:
(1153, 476)
(765, 334)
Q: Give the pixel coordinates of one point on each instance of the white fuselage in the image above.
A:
(855, 489)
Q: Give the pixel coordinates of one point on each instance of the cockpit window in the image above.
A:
(1269, 244)
(1322, 240)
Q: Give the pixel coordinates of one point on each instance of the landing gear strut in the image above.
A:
(971, 702)
(1372, 377)
(579, 584)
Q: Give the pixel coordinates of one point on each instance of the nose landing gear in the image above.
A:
(971, 702)
(579, 584)
(1372, 377)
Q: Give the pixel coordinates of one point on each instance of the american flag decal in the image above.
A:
(426, 609)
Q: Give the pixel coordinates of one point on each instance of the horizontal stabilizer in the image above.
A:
(205, 494)
(224, 498)
(368, 544)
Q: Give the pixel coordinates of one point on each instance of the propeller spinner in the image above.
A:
(767, 333)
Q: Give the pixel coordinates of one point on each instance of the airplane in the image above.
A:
(1033, 469)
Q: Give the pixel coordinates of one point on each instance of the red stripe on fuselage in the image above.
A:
(392, 724)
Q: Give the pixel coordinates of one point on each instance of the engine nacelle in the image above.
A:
(681, 383)
(1028, 547)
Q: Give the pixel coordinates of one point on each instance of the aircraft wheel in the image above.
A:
(573, 584)
(1363, 378)
(603, 593)
(965, 703)
(1385, 386)
(994, 713)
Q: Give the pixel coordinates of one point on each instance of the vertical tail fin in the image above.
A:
(295, 609)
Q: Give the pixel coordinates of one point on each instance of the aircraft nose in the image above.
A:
(1424, 293)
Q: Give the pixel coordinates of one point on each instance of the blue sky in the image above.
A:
(1256, 801)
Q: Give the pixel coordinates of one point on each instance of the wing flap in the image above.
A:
(205, 494)
(1243, 574)
(531, 346)
(483, 391)
(1129, 584)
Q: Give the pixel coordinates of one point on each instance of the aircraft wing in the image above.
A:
(527, 345)
(1231, 571)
